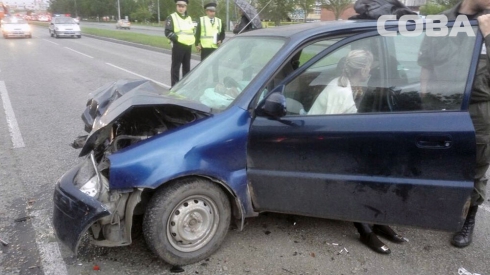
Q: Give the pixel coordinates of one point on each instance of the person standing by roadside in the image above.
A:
(210, 31)
(179, 28)
(244, 25)
(479, 107)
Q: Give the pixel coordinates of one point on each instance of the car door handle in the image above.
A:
(435, 142)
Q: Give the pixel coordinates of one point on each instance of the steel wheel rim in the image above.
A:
(192, 223)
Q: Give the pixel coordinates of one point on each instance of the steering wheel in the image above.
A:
(391, 95)
(230, 82)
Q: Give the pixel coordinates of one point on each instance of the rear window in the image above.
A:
(65, 20)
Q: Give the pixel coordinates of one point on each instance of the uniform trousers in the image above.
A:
(480, 115)
(205, 52)
(181, 56)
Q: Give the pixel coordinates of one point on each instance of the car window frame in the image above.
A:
(352, 38)
(349, 38)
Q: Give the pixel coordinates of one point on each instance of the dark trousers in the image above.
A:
(480, 115)
(181, 55)
(205, 52)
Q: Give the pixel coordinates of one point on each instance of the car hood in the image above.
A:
(110, 102)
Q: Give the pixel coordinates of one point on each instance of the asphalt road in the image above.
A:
(44, 84)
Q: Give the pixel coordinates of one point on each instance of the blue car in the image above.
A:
(237, 137)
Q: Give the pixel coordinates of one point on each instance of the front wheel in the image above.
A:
(187, 221)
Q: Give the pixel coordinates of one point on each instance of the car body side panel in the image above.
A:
(213, 147)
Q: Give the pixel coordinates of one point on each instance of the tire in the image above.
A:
(79, 36)
(55, 34)
(172, 210)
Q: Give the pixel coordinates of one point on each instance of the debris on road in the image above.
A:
(463, 271)
(4, 242)
(176, 269)
(342, 250)
(23, 219)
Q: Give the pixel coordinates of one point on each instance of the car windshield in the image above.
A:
(64, 20)
(221, 77)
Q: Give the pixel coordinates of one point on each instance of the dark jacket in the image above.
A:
(243, 26)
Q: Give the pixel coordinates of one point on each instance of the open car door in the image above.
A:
(406, 156)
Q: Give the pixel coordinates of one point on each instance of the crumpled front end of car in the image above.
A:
(117, 116)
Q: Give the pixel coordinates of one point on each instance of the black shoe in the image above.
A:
(372, 241)
(388, 233)
(464, 237)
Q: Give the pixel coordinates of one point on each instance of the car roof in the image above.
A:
(308, 29)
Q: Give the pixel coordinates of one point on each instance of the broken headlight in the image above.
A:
(89, 180)
(92, 187)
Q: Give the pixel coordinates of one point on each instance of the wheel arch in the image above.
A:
(237, 209)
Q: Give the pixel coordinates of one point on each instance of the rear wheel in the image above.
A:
(187, 221)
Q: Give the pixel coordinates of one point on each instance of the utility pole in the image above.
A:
(228, 14)
(118, 10)
(158, 9)
(76, 9)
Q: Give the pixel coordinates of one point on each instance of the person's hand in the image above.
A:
(484, 24)
(198, 47)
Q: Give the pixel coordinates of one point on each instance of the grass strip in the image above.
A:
(145, 39)
(125, 35)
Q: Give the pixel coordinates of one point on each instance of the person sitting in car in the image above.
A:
(343, 93)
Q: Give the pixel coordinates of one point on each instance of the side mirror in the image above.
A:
(274, 105)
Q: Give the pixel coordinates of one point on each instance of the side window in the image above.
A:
(296, 61)
(385, 74)
(444, 64)
(324, 76)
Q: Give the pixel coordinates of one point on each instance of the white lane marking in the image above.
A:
(51, 259)
(122, 69)
(78, 52)
(484, 207)
(51, 42)
(11, 121)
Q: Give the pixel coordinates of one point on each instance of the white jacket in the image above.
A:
(334, 100)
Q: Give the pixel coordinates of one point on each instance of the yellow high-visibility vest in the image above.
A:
(209, 32)
(184, 29)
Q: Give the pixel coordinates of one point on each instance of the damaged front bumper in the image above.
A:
(74, 211)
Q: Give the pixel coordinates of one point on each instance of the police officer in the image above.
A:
(210, 31)
(479, 107)
(179, 28)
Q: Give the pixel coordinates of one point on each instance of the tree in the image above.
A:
(275, 10)
(306, 6)
(142, 14)
(437, 6)
(336, 6)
